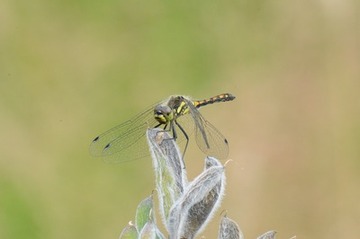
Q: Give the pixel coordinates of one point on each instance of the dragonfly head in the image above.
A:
(163, 114)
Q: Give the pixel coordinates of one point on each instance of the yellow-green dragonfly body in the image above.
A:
(178, 113)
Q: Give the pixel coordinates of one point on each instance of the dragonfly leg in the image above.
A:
(173, 130)
(187, 140)
(158, 125)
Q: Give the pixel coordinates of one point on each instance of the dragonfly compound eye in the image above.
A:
(163, 114)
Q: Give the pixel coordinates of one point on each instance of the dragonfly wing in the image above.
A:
(216, 145)
(98, 144)
(208, 138)
(126, 141)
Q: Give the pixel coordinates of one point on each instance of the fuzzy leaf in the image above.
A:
(170, 174)
(129, 232)
(148, 231)
(229, 229)
(268, 235)
(151, 231)
(144, 212)
(199, 201)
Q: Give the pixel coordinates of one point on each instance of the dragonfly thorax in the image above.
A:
(163, 114)
(179, 104)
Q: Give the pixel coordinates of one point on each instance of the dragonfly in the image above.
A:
(178, 114)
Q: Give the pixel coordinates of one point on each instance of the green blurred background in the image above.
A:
(73, 69)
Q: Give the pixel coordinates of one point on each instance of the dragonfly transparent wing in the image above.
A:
(126, 141)
(208, 138)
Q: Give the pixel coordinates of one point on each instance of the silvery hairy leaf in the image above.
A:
(150, 231)
(144, 212)
(229, 229)
(268, 235)
(170, 173)
(129, 232)
(192, 211)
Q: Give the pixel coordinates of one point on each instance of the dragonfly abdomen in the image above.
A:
(218, 98)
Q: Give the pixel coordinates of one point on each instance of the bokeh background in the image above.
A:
(73, 69)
